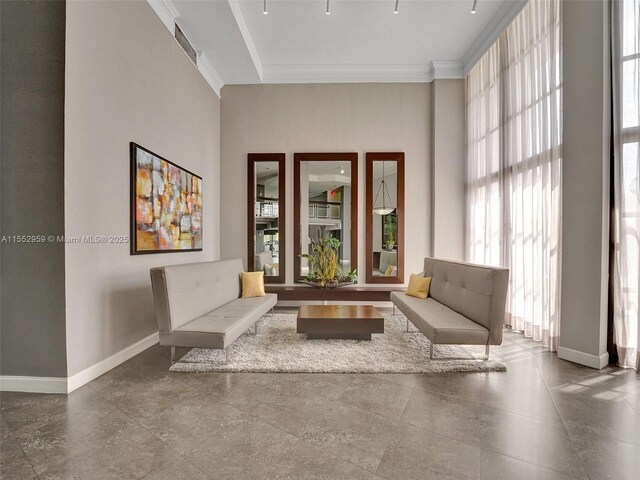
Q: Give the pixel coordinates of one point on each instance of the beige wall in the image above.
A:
(126, 80)
(448, 168)
(326, 118)
(585, 183)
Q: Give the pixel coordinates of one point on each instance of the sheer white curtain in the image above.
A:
(625, 15)
(514, 166)
(484, 173)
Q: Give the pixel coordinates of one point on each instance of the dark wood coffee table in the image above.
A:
(353, 322)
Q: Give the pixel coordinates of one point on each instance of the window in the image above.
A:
(514, 166)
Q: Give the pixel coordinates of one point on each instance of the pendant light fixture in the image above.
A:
(395, 10)
(473, 9)
(384, 210)
(328, 12)
(264, 7)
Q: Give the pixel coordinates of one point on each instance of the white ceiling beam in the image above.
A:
(167, 13)
(244, 30)
(507, 12)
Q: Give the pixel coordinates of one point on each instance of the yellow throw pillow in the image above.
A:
(419, 286)
(252, 284)
(389, 270)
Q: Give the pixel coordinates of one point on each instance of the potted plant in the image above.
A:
(324, 265)
(390, 241)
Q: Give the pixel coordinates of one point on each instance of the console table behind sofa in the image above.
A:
(353, 294)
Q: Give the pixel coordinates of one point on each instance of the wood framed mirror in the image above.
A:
(325, 196)
(266, 215)
(385, 217)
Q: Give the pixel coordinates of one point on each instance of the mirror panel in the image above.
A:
(266, 215)
(326, 204)
(385, 217)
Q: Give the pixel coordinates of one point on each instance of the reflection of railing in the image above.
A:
(267, 209)
(324, 211)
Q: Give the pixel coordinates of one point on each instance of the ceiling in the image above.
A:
(361, 41)
(327, 175)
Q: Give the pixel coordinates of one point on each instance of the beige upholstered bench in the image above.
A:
(199, 304)
(465, 305)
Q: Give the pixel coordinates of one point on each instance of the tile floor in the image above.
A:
(543, 419)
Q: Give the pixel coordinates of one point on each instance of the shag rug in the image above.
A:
(278, 348)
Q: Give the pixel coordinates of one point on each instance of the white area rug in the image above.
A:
(278, 348)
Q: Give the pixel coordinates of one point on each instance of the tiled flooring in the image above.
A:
(543, 419)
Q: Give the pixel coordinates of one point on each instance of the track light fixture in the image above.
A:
(473, 9)
(265, 10)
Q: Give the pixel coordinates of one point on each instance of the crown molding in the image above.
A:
(248, 41)
(442, 69)
(275, 73)
(502, 19)
(209, 73)
(167, 13)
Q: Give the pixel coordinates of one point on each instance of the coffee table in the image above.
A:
(353, 322)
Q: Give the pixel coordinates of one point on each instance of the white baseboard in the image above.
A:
(94, 371)
(13, 383)
(587, 359)
(10, 383)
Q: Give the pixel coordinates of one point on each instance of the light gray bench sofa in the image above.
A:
(465, 305)
(200, 304)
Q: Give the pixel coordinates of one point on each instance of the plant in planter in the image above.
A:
(390, 241)
(324, 265)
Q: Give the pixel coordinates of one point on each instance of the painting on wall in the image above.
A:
(166, 205)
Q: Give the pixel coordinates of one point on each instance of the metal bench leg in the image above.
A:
(173, 355)
(486, 352)
(407, 325)
(431, 351)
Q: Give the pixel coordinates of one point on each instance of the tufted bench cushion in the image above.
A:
(438, 322)
(199, 304)
(465, 305)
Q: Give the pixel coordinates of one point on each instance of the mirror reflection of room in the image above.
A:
(385, 220)
(266, 239)
(325, 207)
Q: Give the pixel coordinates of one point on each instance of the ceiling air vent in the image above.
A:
(186, 45)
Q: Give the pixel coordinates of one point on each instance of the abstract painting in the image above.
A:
(166, 205)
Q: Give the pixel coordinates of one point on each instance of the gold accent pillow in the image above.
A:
(389, 272)
(419, 286)
(252, 284)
